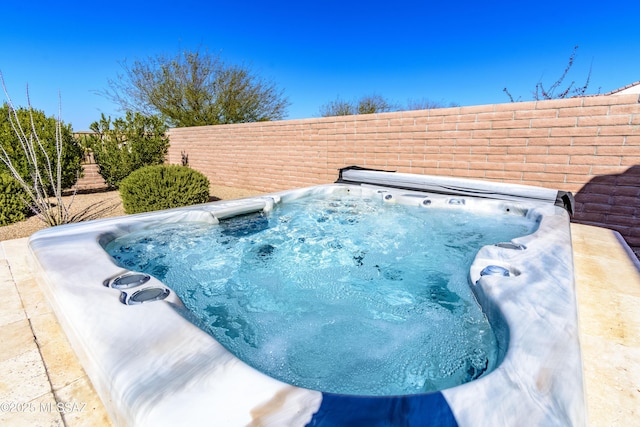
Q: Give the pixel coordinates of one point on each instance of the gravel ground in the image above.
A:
(102, 205)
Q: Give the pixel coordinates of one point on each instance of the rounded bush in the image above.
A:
(12, 208)
(163, 187)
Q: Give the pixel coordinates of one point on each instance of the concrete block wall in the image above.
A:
(589, 145)
(91, 180)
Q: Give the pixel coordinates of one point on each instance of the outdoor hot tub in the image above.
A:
(240, 312)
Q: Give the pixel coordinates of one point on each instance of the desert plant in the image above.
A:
(125, 144)
(162, 187)
(12, 196)
(195, 88)
(43, 156)
(20, 126)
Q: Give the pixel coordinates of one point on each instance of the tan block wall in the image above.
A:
(91, 180)
(590, 146)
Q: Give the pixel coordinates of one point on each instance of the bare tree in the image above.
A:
(555, 91)
(337, 107)
(367, 104)
(427, 104)
(370, 104)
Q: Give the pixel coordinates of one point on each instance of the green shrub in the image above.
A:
(124, 145)
(162, 187)
(38, 126)
(12, 207)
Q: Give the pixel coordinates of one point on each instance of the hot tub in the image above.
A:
(151, 364)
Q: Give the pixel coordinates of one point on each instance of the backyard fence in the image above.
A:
(589, 146)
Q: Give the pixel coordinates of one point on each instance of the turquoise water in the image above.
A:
(338, 294)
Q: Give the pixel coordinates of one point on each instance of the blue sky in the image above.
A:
(461, 52)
